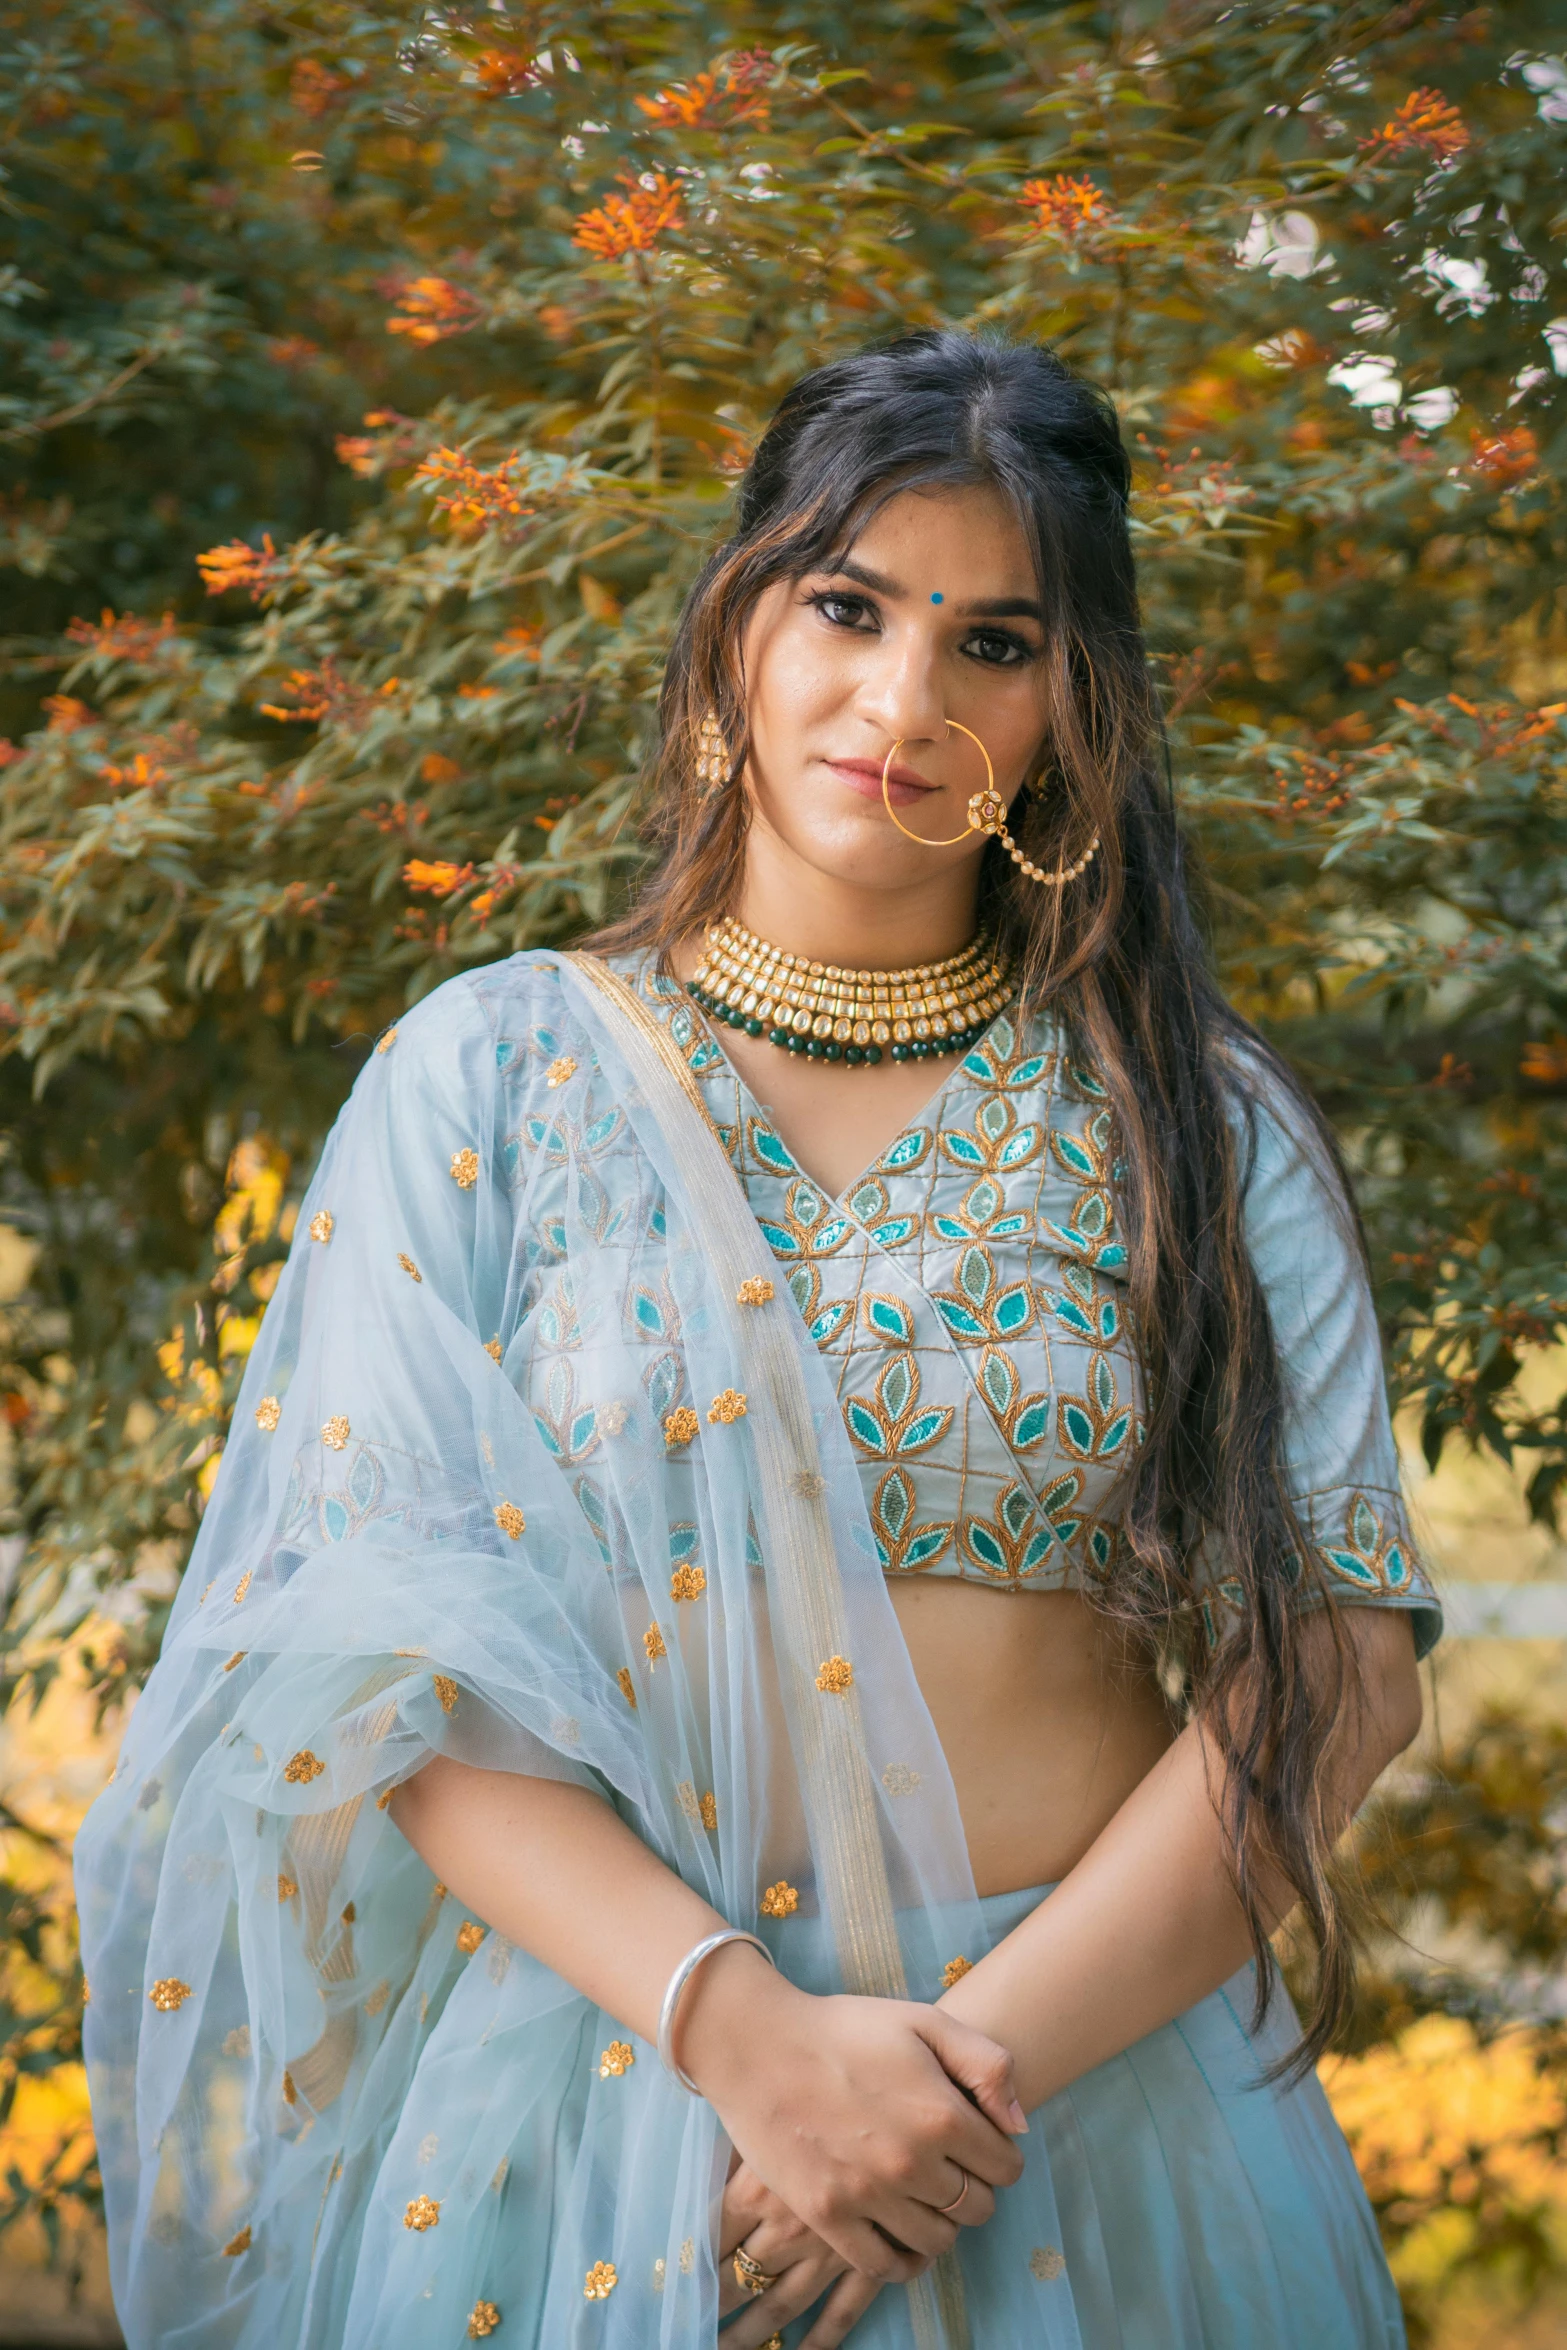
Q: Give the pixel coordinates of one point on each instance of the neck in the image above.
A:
(823, 918)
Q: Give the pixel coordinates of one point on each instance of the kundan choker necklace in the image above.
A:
(858, 1017)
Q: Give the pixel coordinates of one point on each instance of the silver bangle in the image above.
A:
(677, 1983)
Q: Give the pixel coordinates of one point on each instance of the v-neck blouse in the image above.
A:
(968, 1291)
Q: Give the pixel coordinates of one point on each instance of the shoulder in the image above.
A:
(469, 1020)
(1288, 1168)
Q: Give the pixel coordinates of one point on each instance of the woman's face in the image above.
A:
(932, 614)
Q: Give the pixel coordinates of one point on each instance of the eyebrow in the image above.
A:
(988, 608)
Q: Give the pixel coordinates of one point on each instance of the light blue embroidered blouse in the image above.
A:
(969, 1291)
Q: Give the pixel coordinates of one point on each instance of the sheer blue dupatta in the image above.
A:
(528, 1469)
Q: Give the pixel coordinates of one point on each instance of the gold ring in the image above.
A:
(958, 2197)
(750, 2273)
(985, 810)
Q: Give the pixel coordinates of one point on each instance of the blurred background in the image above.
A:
(372, 383)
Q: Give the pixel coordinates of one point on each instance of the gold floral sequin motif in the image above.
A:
(955, 1970)
(446, 1691)
(708, 1808)
(899, 1779)
(465, 1169)
(653, 1644)
(727, 1407)
(780, 1900)
(237, 1658)
(809, 1484)
(334, 1432)
(687, 1583)
(1046, 2263)
(268, 1413)
(237, 2244)
(322, 1225)
(492, 1347)
(290, 2093)
(169, 1994)
(627, 1686)
(618, 2058)
(385, 1043)
(469, 1936)
(378, 1998)
(680, 1426)
(558, 1071)
(509, 1518)
(602, 2278)
(286, 1888)
(483, 2319)
(302, 1767)
(756, 1290)
(834, 1676)
(700, 1810)
(409, 1267)
(242, 1586)
(383, 1800)
(423, 2212)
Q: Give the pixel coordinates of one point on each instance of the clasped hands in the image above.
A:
(853, 2122)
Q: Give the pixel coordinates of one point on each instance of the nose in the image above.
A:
(902, 695)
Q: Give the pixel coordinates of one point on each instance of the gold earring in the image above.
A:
(987, 813)
(712, 753)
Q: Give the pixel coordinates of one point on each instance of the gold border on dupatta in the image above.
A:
(837, 1783)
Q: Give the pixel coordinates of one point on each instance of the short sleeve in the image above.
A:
(1340, 1459)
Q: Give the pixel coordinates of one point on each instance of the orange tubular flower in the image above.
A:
(474, 495)
(433, 310)
(501, 73)
(237, 566)
(1424, 121)
(143, 774)
(1064, 206)
(631, 223)
(439, 878)
(127, 638)
(1505, 457)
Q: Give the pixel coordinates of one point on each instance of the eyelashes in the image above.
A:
(830, 602)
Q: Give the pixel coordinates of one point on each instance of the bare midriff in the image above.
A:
(1046, 1723)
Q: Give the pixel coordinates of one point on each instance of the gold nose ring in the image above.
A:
(986, 809)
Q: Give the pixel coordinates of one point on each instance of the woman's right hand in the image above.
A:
(863, 2115)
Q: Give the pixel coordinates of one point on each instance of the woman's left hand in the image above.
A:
(805, 2267)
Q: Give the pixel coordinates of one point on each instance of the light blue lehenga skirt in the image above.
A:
(1199, 2209)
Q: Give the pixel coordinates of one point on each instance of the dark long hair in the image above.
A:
(1120, 958)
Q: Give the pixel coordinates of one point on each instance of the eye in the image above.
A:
(841, 610)
(997, 648)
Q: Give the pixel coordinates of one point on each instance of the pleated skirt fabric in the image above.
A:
(1195, 2207)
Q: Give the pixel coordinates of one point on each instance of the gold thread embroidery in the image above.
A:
(1046, 2262)
(627, 1686)
(602, 2279)
(86, 1992)
(384, 1044)
(809, 1484)
(409, 1267)
(618, 2058)
(680, 1427)
(438, 1891)
(834, 1676)
(378, 1998)
(423, 2212)
(709, 1810)
(492, 1347)
(955, 1970)
(410, 1652)
(558, 1071)
(207, 1594)
(687, 2256)
(483, 2319)
(465, 1169)
(687, 1583)
(242, 1586)
(383, 1800)
(237, 2244)
(446, 1691)
(302, 1767)
(237, 1658)
(653, 1644)
(612, 1418)
(268, 1413)
(899, 1779)
(727, 1407)
(469, 1936)
(334, 1432)
(237, 2042)
(780, 1900)
(322, 1225)
(509, 1518)
(755, 1290)
(286, 1888)
(350, 1913)
(169, 1994)
(290, 2093)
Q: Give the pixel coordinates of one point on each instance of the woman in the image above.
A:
(887, 1464)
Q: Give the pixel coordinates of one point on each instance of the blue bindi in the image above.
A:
(936, 597)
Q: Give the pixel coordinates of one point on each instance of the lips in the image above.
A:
(904, 784)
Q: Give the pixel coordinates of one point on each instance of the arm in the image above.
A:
(845, 2107)
(1148, 1921)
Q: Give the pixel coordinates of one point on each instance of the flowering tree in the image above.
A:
(448, 338)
